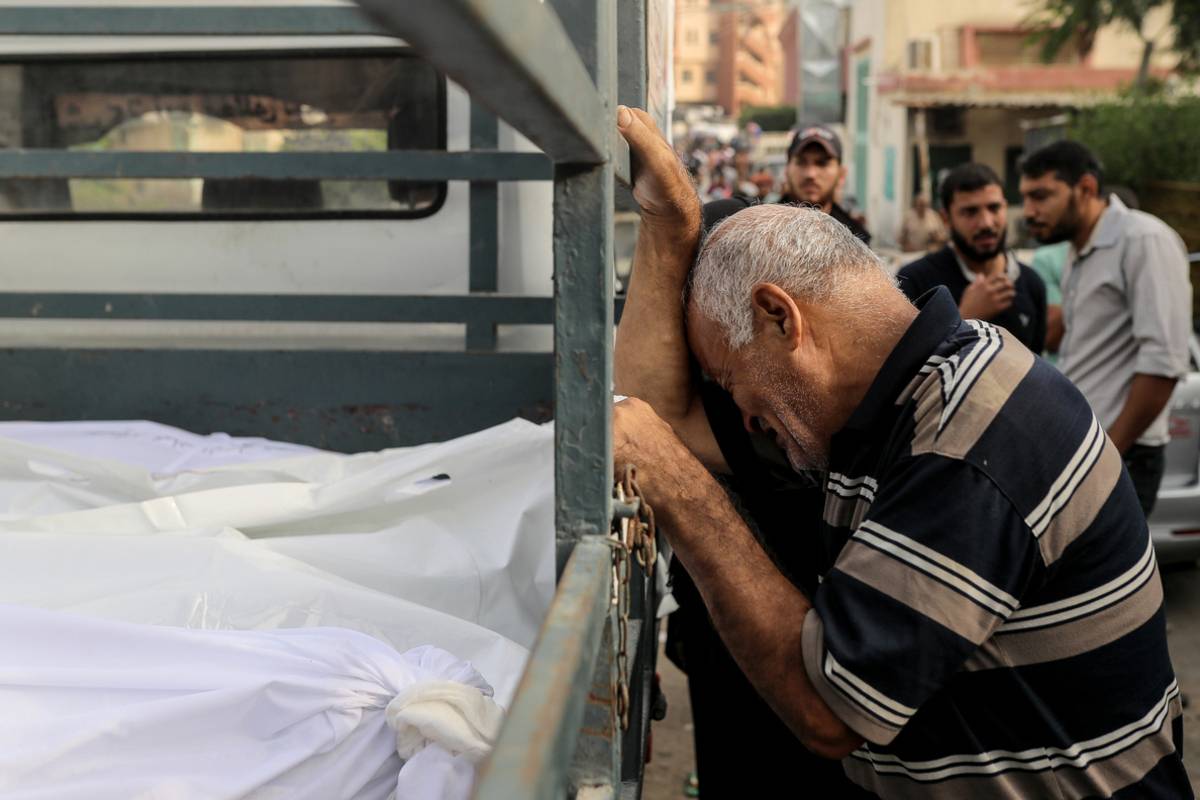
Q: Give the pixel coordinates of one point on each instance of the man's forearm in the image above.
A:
(1148, 396)
(650, 358)
(757, 612)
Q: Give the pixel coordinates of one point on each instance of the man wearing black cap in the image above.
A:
(815, 172)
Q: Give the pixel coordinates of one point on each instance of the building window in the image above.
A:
(710, 77)
(691, 36)
(714, 37)
(687, 76)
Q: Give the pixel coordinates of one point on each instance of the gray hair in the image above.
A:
(803, 251)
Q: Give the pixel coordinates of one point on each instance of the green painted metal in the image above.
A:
(555, 83)
(583, 291)
(540, 732)
(417, 165)
(166, 20)
(631, 75)
(515, 58)
(348, 401)
(492, 308)
(484, 267)
(480, 308)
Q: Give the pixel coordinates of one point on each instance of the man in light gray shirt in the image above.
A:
(1126, 303)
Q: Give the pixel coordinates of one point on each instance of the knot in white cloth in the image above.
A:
(459, 718)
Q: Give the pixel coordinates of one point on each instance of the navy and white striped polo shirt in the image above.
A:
(991, 621)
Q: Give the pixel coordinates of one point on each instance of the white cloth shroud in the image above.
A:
(465, 527)
(108, 710)
(449, 545)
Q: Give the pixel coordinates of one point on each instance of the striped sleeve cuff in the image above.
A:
(868, 712)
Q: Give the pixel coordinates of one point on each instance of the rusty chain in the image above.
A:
(632, 536)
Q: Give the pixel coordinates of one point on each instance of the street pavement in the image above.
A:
(673, 757)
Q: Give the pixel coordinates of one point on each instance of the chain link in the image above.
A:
(631, 537)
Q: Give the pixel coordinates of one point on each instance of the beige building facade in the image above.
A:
(931, 85)
(729, 54)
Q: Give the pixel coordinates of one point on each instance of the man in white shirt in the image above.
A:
(1127, 303)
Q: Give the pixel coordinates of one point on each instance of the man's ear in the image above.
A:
(843, 171)
(945, 216)
(776, 314)
(1088, 185)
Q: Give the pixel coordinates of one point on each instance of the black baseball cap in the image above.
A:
(820, 135)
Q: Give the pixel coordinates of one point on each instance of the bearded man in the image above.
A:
(983, 276)
(1126, 307)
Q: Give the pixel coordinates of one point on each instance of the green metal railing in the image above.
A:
(549, 70)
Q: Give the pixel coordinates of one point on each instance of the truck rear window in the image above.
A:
(348, 102)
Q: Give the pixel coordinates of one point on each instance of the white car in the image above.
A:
(1175, 521)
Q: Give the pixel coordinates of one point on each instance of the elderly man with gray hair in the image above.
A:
(989, 620)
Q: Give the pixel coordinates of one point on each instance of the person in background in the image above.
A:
(983, 276)
(815, 173)
(765, 182)
(718, 188)
(922, 228)
(1048, 263)
(743, 185)
(1126, 305)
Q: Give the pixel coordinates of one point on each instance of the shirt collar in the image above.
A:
(1108, 228)
(936, 320)
(1011, 267)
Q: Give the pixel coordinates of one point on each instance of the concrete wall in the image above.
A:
(886, 136)
(1116, 46)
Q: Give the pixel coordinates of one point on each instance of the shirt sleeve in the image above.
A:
(1160, 300)
(940, 560)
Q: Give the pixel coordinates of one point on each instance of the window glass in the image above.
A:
(262, 104)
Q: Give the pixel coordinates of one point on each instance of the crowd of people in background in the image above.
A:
(723, 170)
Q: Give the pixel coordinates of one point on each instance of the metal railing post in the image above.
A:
(583, 291)
(484, 223)
(583, 330)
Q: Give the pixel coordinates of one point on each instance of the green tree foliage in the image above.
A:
(770, 118)
(1143, 138)
(1060, 23)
